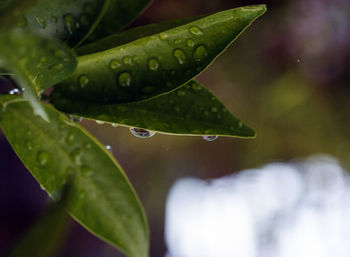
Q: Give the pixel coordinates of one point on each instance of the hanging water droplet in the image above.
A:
(108, 148)
(70, 24)
(114, 64)
(127, 60)
(114, 125)
(43, 158)
(83, 80)
(153, 64)
(100, 122)
(196, 31)
(190, 43)
(142, 133)
(124, 79)
(15, 91)
(75, 118)
(209, 138)
(41, 22)
(179, 55)
(200, 53)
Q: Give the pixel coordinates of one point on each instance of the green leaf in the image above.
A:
(189, 110)
(157, 63)
(46, 236)
(103, 199)
(125, 10)
(37, 61)
(68, 20)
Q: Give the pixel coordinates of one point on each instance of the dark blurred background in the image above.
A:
(287, 77)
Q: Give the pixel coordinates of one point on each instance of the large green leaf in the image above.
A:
(37, 61)
(189, 110)
(119, 14)
(103, 199)
(157, 63)
(46, 236)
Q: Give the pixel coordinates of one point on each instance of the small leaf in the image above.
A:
(103, 199)
(189, 110)
(125, 10)
(157, 63)
(45, 237)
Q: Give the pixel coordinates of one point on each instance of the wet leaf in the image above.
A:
(189, 110)
(157, 63)
(103, 200)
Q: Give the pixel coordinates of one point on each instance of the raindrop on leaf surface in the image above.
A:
(142, 133)
(124, 79)
(210, 138)
(196, 31)
(180, 56)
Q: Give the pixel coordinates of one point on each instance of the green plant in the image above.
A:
(57, 54)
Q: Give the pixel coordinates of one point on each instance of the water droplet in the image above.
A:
(86, 171)
(214, 109)
(163, 36)
(196, 31)
(124, 79)
(210, 138)
(75, 118)
(29, 145)
(179, 55)
(76, 155)
(190, 43)
(43, 158)
(181, 93)
(22, 23)
(114, 125)
(100, 122)
(153, 64)
(15, 91)
(41, 22)
(196, 87)
(108, 148)
(70, 24)
(56, 66)
(127, 60)
(142, 133)
(84, 20)
(200, 53)
(83, 80)
(114, 64)
(70, 138)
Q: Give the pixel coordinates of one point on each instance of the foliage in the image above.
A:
(142, 78)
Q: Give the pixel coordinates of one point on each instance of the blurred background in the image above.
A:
(287, 77)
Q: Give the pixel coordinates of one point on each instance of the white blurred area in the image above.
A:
(297, 209)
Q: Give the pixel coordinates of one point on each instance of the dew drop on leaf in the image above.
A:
(163, 36)
(190, 43)
(15, 91)
(210, 138)
(180, 56)
(70, 24)
(153, 64)
(108, 148)
(114, 125)
(83, 80)
(100, 122)
(41, 22)
(43, 158)
(127, 60)
(200, 53)
(196, 31)
(76, 155)
(142, 133)
(124, 79)
(114, 64)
